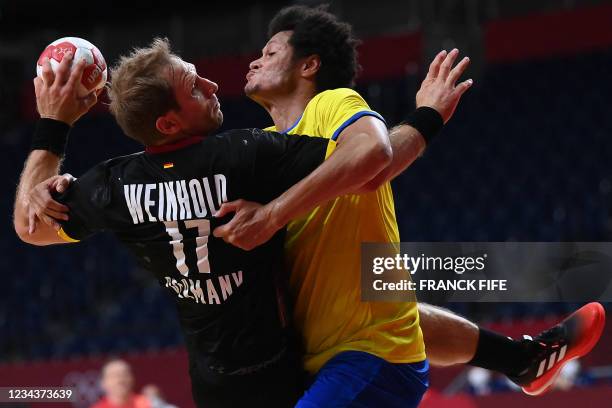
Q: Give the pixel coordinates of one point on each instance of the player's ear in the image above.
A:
(168, 124)
(310, 66)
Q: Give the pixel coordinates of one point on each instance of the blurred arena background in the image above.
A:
(526, 158)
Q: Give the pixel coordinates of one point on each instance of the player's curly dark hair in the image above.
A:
(316, 31)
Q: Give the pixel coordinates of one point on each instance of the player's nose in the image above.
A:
(211, 87)
(255, 64)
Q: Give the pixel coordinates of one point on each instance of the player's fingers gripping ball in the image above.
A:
(95, 72)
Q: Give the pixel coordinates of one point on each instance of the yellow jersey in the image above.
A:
(323, 251)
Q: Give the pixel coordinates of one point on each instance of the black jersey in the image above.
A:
(161, 202)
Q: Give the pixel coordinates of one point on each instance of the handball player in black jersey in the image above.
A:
(160, 203)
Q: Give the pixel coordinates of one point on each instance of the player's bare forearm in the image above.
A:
(407, 145)
(355, 161)
(39, 166)
(363, 151)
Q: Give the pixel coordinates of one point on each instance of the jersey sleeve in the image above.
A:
(281, 160)
(339, 108)
(86, 198)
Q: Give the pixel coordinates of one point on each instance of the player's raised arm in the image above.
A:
(362, 161)
(59, 108)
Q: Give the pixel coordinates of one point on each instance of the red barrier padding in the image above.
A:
(391, 56)
(547, 35)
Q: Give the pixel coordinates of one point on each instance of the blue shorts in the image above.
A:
(357, 379)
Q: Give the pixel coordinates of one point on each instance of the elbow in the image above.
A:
(24, 235)
(21, 230)
(380, 157)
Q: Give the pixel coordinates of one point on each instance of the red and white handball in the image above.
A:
(95, 73)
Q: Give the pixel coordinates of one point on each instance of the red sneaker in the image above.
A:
(573, 338)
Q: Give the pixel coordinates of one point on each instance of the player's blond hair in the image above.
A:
(140, 90)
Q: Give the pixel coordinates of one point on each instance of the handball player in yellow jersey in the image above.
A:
(364, 352)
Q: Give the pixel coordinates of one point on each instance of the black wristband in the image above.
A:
(427, 121)
(51, 135)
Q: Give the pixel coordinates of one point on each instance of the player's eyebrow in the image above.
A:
(268, 45)
(188, 75)
(192, 74)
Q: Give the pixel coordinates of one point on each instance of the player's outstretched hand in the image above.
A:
(251, 226)
(439, 89)
(56, 93)
(42, 206)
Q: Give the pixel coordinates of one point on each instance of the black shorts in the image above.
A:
(278, 385)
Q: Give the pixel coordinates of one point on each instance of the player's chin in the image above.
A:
(250, 90)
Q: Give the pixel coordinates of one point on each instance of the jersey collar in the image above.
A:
(170, 147)
(293, 126)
